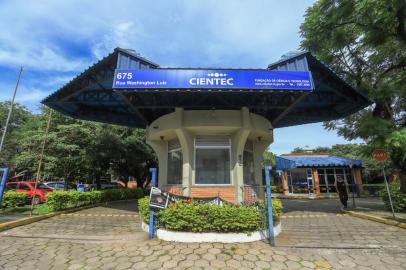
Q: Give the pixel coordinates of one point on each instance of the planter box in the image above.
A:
(212, 237)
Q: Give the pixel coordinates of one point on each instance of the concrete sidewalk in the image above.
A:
(315, 236)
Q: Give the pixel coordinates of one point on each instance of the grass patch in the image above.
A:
(40, 209)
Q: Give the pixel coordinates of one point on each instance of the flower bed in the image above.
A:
(194, 222)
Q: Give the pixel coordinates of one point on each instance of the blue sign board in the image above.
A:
(211, 79)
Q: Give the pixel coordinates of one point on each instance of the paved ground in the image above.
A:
(314, 236)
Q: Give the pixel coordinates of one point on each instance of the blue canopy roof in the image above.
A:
(283, 164)
(90, 96)
(306, 161)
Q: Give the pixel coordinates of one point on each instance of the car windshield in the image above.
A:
(42, 186)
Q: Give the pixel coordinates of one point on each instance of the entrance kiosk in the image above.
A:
(208, 127)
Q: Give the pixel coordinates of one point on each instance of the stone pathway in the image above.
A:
(314, 237)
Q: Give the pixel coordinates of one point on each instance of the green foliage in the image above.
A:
(19, 118)
(76, 150)
(60, 200)
(121, 194)
(12, 199)
(268, 159)
(398, 198)
(277, 208)
(196, 217)
(210, 218)
(143, 208)
(364, 42)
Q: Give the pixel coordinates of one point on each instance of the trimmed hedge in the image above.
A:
(196, 217)
(60, 200)
(13, 199)
(398, 198)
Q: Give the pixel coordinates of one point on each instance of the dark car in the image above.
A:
(60, 186)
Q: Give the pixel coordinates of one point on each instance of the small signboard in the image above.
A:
(212, 79)
(158, 199)
(380, 155)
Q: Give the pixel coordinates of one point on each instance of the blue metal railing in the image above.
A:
(3, 173)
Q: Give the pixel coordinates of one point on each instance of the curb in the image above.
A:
(29, 220)
(376, 219)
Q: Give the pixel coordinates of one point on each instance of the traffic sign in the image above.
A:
(380, 155)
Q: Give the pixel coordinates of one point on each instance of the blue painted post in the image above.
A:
(151, 211)
(3, 183)
(269, 204)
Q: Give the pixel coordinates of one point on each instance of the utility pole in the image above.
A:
(10, 110)
(40, 161)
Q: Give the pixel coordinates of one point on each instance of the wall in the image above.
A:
(240, 125)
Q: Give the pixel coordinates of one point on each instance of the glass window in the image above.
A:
(299, 180)
(175, 167)
(339, 171)
(23, 187)
(11, 186)
(331, 180)
(212, 166)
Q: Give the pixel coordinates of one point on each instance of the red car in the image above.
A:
(28, 188)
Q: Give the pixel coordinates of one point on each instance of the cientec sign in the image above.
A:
(212, 79)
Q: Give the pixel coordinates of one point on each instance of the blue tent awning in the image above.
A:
(308, 161)
(283, 164)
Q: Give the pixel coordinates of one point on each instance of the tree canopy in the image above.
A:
(79, 150)
(364, 41)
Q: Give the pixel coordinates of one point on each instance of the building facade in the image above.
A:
(208, 127)
(315, 174)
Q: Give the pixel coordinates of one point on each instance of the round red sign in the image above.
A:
(380, 155)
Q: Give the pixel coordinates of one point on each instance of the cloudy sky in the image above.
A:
(56, 40)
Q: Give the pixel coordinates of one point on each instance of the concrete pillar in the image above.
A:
(238, 141)
(316, 181)
(358, 179)
(161, 150)
(186, 143)
(284, 181)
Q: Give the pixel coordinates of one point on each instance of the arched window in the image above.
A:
(175, 163)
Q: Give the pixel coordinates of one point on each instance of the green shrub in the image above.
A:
(215, 218)
(398, 198)
(276, 209)
(60, 200)
(13, 199)
(121, 194)
(143, 208)
(206, 218)
(211, 218)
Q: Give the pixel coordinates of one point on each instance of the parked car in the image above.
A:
(60, 186)
(28, 188)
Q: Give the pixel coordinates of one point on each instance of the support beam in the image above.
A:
(132, 108)
(316, 182)
(288, 109)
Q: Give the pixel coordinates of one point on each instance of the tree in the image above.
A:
(18, 118)
(364, 41)
(268, 159)
(81, 150)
